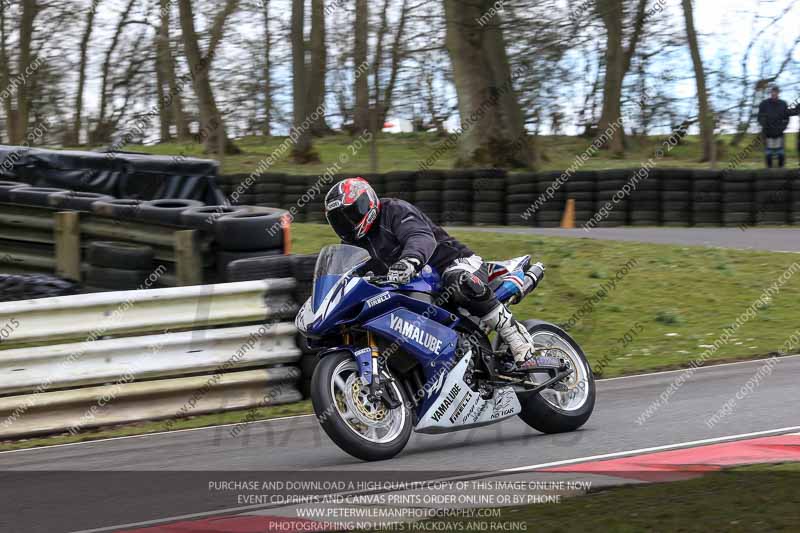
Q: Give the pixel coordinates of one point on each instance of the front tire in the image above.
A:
(364, 429)
(551, 411)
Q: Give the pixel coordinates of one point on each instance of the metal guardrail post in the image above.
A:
(188, 258)
(67, 236)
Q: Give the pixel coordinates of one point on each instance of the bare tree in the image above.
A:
(74, 137)
(491, 117)
(706, 116)
(303, 150)
(361, 114)
(266, 129)
(17, 105)
(172, 108)
(212, 127)
(103, 129)
(618, 62)
(317, 69)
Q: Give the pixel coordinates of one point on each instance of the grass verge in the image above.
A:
(671, 304)
(406, 151)
(637, 307)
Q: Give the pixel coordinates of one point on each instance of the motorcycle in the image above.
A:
(401, 358)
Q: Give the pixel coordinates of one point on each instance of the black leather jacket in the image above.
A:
(403, 231)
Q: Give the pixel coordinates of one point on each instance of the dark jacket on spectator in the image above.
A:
(773, 115)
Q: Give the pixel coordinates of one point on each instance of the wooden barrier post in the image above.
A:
(67, 235)
(188, 258)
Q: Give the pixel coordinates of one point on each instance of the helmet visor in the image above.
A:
(346, 218)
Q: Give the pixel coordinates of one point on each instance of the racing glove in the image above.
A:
(402, 271)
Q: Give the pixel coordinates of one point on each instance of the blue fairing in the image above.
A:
(423, 329)
(431, 343)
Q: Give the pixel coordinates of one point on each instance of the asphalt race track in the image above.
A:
(162, 476)
(767, 239)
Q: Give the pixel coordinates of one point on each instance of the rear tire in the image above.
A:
(331, 418)
(542, 414)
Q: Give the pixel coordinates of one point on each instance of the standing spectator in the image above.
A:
(793, 113)
(773, 115)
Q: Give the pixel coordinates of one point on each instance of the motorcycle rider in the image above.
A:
(401, 240)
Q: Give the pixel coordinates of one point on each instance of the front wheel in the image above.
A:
(569, 406)
(364, 429)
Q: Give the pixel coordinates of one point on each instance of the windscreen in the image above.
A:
(334, 261)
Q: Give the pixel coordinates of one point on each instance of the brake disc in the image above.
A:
(369, 413)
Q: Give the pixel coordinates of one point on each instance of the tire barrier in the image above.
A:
(84, 361)
(660, 197)
(301, 267)
(53, 231)
(32, 287)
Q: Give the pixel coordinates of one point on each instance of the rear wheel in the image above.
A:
(365, 429)
(568, 406)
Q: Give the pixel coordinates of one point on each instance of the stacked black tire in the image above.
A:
(706, 198)
(551, 211)
(234, 186)
(773, 197)
(610, 185)
(428, 195)
(255, 232)
(31, 287)
(676, 187)
(301, 267)
(401, 184)
(294, 187)
(119, 266)
(794, 191)
(644, 204)
(489, 197)
(265, 189)
(457, 197)
(582, 187)
(303, 271)
(269, 190)
(737, 198)
(522, 191)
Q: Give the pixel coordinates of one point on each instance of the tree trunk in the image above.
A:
(212, 127)
(74, 138)
(706, 117)
(164, 118)
(611, 114)
(102, 132)
(489, 110)
(303, 150)
(177, 114)
(618, 62)
(18, 118)
(266, 129)
(5, 71)
(318, 67)
(361, 114)
(397, 57)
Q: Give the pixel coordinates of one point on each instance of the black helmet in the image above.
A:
(351, 207)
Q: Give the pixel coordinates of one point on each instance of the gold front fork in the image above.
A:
(373, 346)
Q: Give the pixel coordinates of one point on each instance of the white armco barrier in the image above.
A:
(78, 409)
(171, 354)
(92, 316)
(74, 362)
